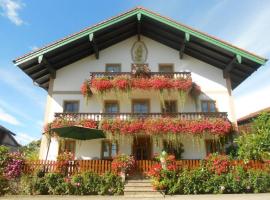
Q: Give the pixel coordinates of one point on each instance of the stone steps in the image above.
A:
(140, 188)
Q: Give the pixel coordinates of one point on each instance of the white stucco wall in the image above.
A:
(68, 81)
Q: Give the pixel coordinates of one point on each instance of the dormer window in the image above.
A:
(166, 68)
(113, 68)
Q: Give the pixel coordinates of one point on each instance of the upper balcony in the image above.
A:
(112, 75)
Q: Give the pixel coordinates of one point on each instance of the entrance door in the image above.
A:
(142, 148)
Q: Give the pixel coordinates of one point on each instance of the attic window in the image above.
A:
(113, 68)
(166, 68)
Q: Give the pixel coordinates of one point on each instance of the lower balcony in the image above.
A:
(128, 116)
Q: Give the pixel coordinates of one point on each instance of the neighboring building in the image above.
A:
(143, 41)
(7, 139)
(245, 122)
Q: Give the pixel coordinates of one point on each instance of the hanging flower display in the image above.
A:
(86, 90)
(101, 85)
(163, 126)
(125, 84)
(141, 84)
(122, 85)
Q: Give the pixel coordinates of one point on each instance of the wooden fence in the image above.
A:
(102, 166)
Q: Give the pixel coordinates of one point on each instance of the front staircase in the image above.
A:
(140, 188)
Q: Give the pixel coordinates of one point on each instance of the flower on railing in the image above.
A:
(122, 83)
(63, 162)
(123, 163)
(58, 123)
(151, 126)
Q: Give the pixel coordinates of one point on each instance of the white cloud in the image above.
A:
(15, 80)
(255, 33)
(14, 110)
(24, 138)
(34, 48)
(211, 13)
(6, 117)
(10, 10)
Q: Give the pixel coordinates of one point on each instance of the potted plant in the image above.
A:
(122, 164)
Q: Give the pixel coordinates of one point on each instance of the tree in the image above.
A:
(256, 144)
(31, 150)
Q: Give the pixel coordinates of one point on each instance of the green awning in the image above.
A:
(79, 132)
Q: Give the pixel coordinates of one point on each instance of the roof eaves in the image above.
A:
(75, 36)
(156, 16)
(205, 37)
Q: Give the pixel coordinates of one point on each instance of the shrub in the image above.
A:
(4, 157)
(256, 144)
(4, 188)
(215, 175)
(14, 164)
(55, 183)
(39, 186)
(77, 182)
(92, 182)
(111, 184)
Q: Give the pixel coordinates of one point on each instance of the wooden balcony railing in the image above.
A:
(111, 75)
(128, 116)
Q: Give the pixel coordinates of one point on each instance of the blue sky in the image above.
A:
(28, 24)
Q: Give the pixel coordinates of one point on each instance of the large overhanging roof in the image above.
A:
(43, 63)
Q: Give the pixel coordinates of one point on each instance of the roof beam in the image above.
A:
(229, 67)
(139, 16)
(183, 46)
(94, 44)
(48, 65)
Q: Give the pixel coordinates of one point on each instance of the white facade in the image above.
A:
(66, 86)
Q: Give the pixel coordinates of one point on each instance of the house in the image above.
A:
(138, 83)
(245, 122)
(7, 139)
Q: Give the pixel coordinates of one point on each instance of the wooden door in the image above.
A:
(142, 148)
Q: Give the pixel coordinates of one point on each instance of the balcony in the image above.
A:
(127, 116)
(111, 75)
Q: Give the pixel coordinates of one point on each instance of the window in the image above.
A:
(171, 149)
(113, 68)
(69, 146)
(213, 146)
(109, 149)
(209, 106)
(166, 68)
(170, 107)
(140, 106)
(111, 107)
(71, 106)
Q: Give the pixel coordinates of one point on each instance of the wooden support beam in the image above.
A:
(182, 49)
(229, 67)
(94, 45)
(183, 45)
(139, 16)
(139, 30)
(48, 65)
